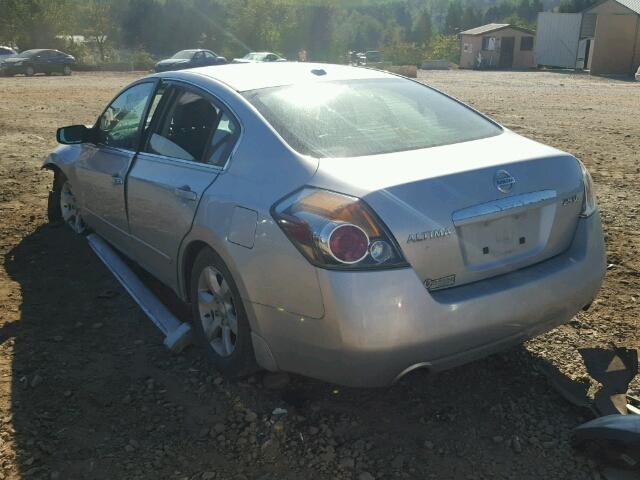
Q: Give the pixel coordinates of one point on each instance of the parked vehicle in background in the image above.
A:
(190, 59)
(31, 62)
(6, 52)
(338, 222)
(373, 56)
(256, 57)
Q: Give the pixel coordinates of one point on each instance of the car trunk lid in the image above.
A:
(466, 212)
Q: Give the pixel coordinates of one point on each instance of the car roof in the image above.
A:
(253, 76)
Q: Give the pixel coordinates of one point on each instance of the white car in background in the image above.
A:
(258, 57)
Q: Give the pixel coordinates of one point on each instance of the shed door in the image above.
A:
(506, 52)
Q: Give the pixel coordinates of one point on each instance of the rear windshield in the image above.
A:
(367, 117)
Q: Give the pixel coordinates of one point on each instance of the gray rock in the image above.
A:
(270, 448)
(250, 417)
(275, 380)
(517, 444)
(365, 476)
(35, 381)
(347, 462)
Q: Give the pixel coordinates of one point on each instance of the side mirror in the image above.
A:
(74, 135)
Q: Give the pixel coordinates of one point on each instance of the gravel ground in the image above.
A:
(88, 391)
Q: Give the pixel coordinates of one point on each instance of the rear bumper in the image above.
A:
(380, 325)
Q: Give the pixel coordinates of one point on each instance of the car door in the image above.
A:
(198, 59)
(210, 58)
(102, 167)
(189, 141)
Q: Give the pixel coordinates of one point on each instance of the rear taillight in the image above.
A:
(589, 202)
(333, 230)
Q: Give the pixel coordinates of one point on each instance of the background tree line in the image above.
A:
(407, 31)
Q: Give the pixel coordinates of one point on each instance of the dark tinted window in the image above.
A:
(184, 54)
(194, 129)
(5, 51)
(526, 43)
(29, 53)
(367, 117)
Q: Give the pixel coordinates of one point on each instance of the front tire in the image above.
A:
(219, 318)
(66, 71)
(63, 207)
(30, 71)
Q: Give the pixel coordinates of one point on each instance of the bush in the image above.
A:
(445, 47)
(142, 60)
(402, 53)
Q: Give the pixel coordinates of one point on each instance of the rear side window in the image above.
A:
(193, 128)
(367, 117)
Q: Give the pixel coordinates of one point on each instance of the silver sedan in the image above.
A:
(337, 222)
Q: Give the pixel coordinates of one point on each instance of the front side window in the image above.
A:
(121, 123)
(193, 129)
(367, 117)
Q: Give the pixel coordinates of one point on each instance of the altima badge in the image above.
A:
(429, 235)
(503, 181)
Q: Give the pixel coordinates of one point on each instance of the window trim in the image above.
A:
(217, 102)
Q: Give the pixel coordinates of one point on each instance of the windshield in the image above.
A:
(367, 117)
(184, 54)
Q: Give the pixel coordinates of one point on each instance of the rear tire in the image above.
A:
(219, 318)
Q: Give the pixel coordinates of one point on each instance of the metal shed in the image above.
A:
(604, 39)
(557, 39)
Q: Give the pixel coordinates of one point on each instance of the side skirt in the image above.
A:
(177, 334)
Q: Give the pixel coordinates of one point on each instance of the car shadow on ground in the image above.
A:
(96, 395)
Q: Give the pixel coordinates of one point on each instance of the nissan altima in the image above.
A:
(337, 222)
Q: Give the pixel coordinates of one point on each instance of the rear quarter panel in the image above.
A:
(261, 171)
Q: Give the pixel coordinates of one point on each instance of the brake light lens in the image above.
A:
(336, 231)
(589, 202)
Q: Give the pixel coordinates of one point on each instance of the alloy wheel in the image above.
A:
(69, 209)
(217, 311)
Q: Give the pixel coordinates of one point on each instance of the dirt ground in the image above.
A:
(87, 390)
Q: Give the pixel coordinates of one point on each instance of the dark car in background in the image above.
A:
(35, 61)
(190, 59)
(6, 52)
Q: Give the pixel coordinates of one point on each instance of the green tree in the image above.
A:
(453, 20)
(470, 18)
(32, 23)
(422, 29)
(445, 47)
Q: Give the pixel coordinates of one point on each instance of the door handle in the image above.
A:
(186, 193)
(117, 179)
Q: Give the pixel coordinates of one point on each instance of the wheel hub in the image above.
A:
(217, 312)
